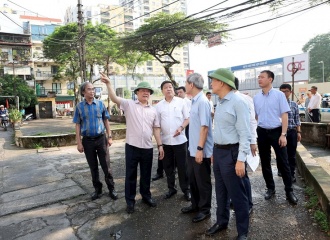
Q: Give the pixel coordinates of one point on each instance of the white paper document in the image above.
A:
(253, 161)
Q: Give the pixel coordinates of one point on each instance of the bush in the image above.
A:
(15, 115)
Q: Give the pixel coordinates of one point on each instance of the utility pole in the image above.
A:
(294, 71)
(82, 50)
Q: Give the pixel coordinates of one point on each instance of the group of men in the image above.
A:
(237, 121)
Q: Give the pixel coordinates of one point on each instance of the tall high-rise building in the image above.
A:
(130, 15)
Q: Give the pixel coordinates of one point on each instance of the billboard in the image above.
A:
(300, 64)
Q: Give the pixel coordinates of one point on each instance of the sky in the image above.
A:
(274, 39)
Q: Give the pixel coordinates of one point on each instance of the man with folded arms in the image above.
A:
(91, 119)
(232, 139)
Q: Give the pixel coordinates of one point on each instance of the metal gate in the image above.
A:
(45, 109)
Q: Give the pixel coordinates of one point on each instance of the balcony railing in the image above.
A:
(44, 75)
(43, 92)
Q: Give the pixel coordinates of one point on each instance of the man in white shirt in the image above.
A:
(174, 117)
(314, 105)
(208, 95)
(181, 91)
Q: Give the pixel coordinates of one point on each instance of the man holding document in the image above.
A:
(232, 140)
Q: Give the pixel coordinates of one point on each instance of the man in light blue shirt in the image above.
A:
(272, 109)
(232, 139)
(200, 148)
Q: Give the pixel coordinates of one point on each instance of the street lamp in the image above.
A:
(322, 68)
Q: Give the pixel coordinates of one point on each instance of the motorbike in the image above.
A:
(4, 121)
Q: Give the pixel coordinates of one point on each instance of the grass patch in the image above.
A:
(37, 146)
(314, 205)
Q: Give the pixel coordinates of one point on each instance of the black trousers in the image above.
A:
(133, 157)
(268, 138)
(316, 115)
(292, 148)
(229, 185)
(200, 184)
(176, 156)
(98, 149)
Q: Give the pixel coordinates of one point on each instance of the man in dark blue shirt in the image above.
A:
(91, 119)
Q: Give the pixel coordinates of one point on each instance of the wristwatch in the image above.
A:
(283, 134)
(199, 148)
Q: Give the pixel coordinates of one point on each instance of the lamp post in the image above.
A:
(322, 69)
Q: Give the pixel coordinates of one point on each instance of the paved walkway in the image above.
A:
(46, 195)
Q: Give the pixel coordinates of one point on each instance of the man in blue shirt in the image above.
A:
(91, 119)
(200, 149)
(294, 132)
(272, 109)
(232, 139)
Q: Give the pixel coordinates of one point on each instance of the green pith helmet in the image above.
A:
(145, 85)
(224, 75)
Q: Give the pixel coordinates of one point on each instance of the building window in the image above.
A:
(56, 87)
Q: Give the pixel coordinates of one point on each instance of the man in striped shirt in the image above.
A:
(91, 119)
(294, 132)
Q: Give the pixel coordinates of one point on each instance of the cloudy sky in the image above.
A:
(274, 39)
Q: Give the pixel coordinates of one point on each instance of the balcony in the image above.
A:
(44, 75)
(44, 92)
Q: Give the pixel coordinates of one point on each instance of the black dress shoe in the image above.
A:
(189, 209)
(130, 209)
(95, 195)
(187, 196)
(170, 194)
(242, 237)
(113, 194)
(157, 177)
(201, 216)
(269, 194)
(215, 228)
(291, 198)
(149, 201)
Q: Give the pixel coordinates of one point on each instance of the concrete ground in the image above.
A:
(45, 194)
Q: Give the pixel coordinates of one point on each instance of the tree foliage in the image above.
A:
(15, 86)
(319, 49)
(163, 33)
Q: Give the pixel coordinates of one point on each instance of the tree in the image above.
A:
(163, 33)
(319, 49)
(15, 86)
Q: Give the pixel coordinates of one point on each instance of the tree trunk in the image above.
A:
(169, 74)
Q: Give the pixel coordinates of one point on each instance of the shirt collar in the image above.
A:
(197, 96)
(94, 102)
(228, 96)
(138, 102)
(270, 90)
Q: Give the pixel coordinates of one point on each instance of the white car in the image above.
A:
(325, 114)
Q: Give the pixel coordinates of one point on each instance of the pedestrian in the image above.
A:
(232, 139)
(294, 132)
(209, 95)
(182, 94)
(200, 150)
(272, 110)
(308, 117)
(141, 123)
(174, 117)
(314, 105)
(92, 124)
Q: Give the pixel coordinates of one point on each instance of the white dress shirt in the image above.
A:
(315, 101)
(253, 121)
(171, 116)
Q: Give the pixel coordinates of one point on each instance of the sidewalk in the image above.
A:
(46, 195)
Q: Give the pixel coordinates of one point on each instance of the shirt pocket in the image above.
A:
(228, 118)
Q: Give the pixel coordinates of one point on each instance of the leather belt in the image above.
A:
(270, 130)
(225, 146)
(94, 137)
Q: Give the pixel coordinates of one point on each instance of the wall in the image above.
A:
(314, 133)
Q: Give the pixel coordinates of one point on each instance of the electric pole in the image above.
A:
(82, 51)
(294, 71)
